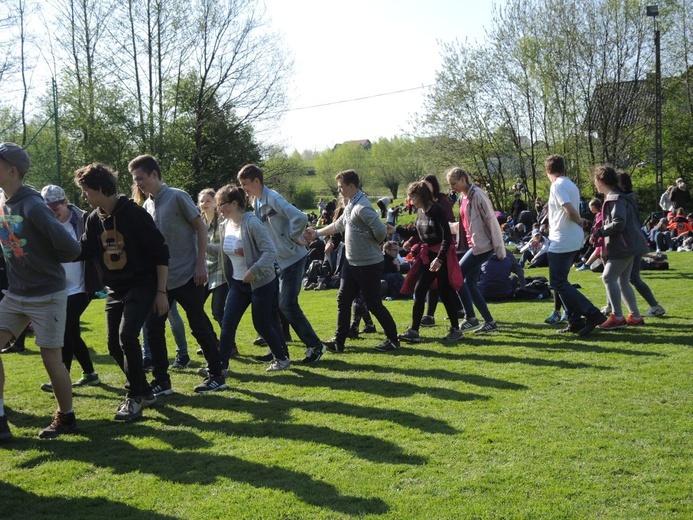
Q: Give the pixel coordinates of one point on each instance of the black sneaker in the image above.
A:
(571, 328)
(63, 423)
(267, 358)
(387, 346)
(428, 321)
(591, 322)
(9, 349)
(334, 345)
(410, 336)
(259, 341)
(47, 387)
(87, 380)
(469, 324)
(368, 329)
(211, 384)
(5, 432)
(161, 387)
(181, 362)
(313, 354)
(129, 410)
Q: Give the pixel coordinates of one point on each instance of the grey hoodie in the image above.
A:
(34, 244)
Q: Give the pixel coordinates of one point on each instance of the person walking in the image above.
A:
(363, 233)
(478, 237)
(565, 240)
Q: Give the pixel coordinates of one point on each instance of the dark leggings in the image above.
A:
(74, 345)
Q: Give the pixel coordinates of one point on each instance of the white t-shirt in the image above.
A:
(74, 271)
(565, 235)
(233, 248)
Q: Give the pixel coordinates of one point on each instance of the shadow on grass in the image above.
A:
(19, 504)
(101, 445)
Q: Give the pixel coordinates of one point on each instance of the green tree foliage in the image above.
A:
(348, 156)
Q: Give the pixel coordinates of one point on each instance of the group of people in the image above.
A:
(246, 246)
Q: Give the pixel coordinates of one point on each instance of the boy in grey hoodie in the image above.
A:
(34, 244)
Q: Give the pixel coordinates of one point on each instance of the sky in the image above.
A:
(362, 49)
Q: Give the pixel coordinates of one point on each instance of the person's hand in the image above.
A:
(390, 229)
(200, 274)
(309, 234)
(435, 265)
(249, 277)
(500, 253)
(161, 303)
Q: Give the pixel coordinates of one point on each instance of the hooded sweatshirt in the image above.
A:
(621, 227)
(34, 244)
(127, 244)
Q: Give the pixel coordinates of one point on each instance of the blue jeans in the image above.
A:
(470, 293)
(219, 294)
(289, 288)
(125, 315)
(576, 305)
(240, 296)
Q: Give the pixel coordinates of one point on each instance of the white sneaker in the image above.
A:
(606, 310)
(655, 311)
(278, 364)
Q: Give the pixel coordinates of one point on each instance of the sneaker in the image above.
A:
(455, 334)
(310, 286)
(655, 312)
(583, 267)
(200, 352)
(203, 372)
(63, 423)
(11, 348)
(487, 327)
(410, 336)
(147, 365)
(428, 321)
(606, 310)
(612, 323)
(161, 387)
(267, 358)
(320, 287)
(259, 342)
(334, 345)
(129, 410)
(278, 364)
(211, 384)
(148, 400)
(469, 324)
(564, 316)
(353, 333)
(591, 322)
(554, 317)
(5, 432)
(313, 354)
(87, 380)
(387, 346)
(181, 362)
(571, 328)
(635, 322)
(47, 387)
(368, 329)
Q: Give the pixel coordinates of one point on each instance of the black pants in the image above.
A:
(73, 344)
(126, 312)
(192, 298)
(364, 279)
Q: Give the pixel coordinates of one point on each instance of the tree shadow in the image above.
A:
(16, 503)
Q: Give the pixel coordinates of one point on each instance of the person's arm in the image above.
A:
(572, 213)
(66, 248)
(200, 266)
(297, 219)
(618, 220)
(372, 221)
(161, 300)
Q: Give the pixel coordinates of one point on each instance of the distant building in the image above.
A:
(364, 143)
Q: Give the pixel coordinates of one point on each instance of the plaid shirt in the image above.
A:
(215, 274)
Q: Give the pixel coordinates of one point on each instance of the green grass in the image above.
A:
(520, 424)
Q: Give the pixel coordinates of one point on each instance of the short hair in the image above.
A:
(97, 176)
(680, 212)
(433, 181)
(147, 163)
(606, 174)
(390, 244)
(250, 172)
(348, 177)
(232, 193)
(596, 203)
(420, 190)
(555, 164)
(457, 173)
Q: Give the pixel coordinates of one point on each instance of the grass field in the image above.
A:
(520, 424)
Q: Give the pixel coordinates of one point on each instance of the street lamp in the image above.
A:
(653, 11)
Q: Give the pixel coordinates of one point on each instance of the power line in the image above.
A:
(359, 98)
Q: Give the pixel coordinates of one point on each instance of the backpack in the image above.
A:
(536, 288)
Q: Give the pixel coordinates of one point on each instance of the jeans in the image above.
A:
(366, 280)
(192, 298)
(576, 305)
(219, 294)
(126, 312)
(178, 330)
(74, 344)
(470, 293)
(289, 288)
(239, 297)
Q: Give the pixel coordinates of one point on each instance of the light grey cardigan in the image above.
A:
(258, 251)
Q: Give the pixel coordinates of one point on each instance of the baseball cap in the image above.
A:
(16, 156)
(536, 232)
(52, 194)
(680, 179)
